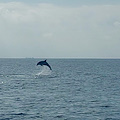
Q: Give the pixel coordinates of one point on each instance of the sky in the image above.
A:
(59, 28)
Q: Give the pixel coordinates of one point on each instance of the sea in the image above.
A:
(75, 89)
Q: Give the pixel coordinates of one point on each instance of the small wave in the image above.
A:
(105, 106)
(59, 116)
(11, 116)
(6, 119)
(10, 75)
(16, 76)
(23, 114)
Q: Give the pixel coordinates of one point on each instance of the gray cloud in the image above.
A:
(47, 30)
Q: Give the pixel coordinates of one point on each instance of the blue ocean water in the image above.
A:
(76, 89)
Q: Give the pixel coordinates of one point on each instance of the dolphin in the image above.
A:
(44, 63)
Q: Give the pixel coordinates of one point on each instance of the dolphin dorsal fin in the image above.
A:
(45, 60)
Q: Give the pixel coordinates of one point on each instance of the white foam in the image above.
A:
(45, 71)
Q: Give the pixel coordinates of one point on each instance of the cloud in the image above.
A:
(56, 31)
(47, 35)
(117, 23)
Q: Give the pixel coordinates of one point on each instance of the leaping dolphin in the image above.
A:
(44, 63)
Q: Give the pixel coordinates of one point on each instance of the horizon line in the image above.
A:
(59, 58)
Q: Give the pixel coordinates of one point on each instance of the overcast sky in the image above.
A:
(60, 28)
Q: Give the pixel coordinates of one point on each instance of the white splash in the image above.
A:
(45, 71)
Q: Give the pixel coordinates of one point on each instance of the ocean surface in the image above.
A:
(75, 89)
